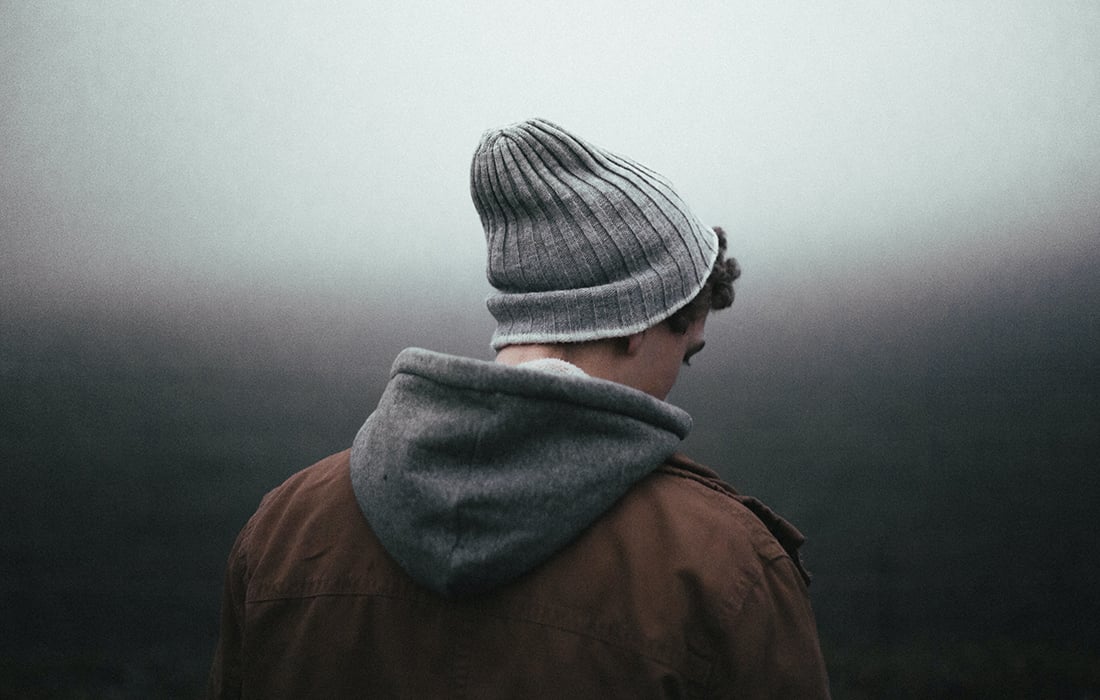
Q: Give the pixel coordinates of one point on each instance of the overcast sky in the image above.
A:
(169, 147)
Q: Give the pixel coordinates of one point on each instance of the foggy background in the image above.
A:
(221, 222)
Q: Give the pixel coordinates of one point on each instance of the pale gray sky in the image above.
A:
(310, 147)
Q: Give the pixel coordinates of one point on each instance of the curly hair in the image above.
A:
(717, 291)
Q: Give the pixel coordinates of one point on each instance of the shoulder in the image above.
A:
(684, 562)
(769, 643)
(328, 473)
(709, 517)
(311, 504)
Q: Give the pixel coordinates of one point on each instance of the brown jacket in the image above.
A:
(682, 589)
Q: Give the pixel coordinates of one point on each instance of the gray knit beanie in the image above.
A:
(582, 243)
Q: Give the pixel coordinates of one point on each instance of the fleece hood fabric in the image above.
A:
(471, 473)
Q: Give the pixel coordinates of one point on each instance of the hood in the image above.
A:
(471, 473)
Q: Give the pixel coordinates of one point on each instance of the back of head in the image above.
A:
(583, 244)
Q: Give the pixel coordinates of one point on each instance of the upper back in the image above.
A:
(648, 602)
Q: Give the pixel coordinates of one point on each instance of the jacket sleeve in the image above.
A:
(224, 680)
(772, 644)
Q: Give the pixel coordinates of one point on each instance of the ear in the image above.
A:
(634, 343)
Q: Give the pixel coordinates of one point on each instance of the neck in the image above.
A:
(597, 358)
(518, 354)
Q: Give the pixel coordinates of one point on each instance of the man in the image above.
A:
(522, 528)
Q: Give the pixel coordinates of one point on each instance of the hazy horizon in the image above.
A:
(250, 151)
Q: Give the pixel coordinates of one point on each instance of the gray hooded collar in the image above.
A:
(471, 473)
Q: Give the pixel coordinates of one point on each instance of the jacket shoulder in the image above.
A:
(296, 498)
(683, 531)
(749, 513)
(304, 530)
(769, 637)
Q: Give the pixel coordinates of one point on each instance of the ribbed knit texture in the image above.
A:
(582, 243)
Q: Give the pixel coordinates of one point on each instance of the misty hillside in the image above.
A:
(939, 448)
